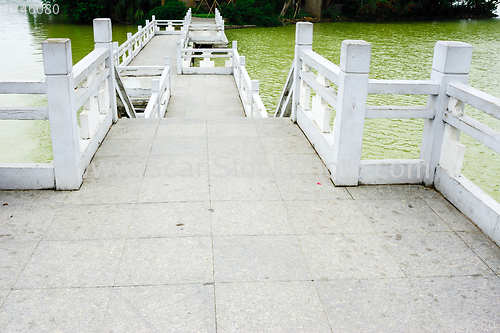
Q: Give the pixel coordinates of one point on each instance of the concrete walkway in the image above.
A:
(207, 221)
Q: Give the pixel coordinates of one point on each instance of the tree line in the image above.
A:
(270, 12)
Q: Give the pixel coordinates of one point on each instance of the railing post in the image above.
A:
(351, 106)
(179, 57)
(167, 64)
(139, 28)
(155, 88)
(242, 65)
(115, 51)
(233, 55)
(61, 102)
(130, 49)
(146, 32)
(155, 25)
(254, 90)
(451, 63)
(303, 41)
(103, 37)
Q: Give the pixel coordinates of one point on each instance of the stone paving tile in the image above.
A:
(241, 188)
(156, 261)
(284, 165)
(396, 216)
(55, 310)
(294, 144)
(380, 305)
(258, 258)
(176, 113)
(3, 295)
(77, 264)
(117, 166)
(86, 222)
(125, 147)
(106, 191)
(179, 146)
(175, 130)
(240, 166)
(450, 215)
(172, 308)
(231, 130)
(462, 303)
(352, 256)
(234, 147)
(14, 256)
(25, 223)
(392, 192)
(488, 251)
(434, 254)
(173, 189)
(170, 220)
(37, 198)
(310, 187)
(133, 129)
(187, 165)
(172, 121)
(234, 218)
(269, 307)
(327, 217)
(230, 120)
(277, 129)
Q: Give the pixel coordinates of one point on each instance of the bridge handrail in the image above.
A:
(128, 50)
(87, 86)
(441, 154)
(161, 91)
(248, 89)
(24, 87)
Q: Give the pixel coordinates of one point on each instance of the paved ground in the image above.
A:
(208, 221)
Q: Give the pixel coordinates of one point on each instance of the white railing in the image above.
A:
(126, 52)
(25, 175)
(219, 20)
(87, 87)
(222, 61)
(168, 27)
(247, 88)
(316, 87)
(206, 65)
(161, 89)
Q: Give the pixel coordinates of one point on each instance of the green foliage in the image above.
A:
(173, 10)
(84, 11)
(380, 10)
(331, 14)
(251, 12)
(386, 10)
(130, 11)
(80, 11)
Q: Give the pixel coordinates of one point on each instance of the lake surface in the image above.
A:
(399, 51)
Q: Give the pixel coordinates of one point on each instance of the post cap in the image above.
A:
(304, 33)
(102, 30)
(57, 58)
(355, 56)
(452, 57)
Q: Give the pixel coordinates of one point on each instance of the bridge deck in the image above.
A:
(209, 221)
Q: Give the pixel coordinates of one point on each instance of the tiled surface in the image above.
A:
(208, 221)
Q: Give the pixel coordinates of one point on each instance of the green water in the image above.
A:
(25, 141)
(400, 51)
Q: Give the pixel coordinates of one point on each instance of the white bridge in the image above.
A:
(190, 208)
